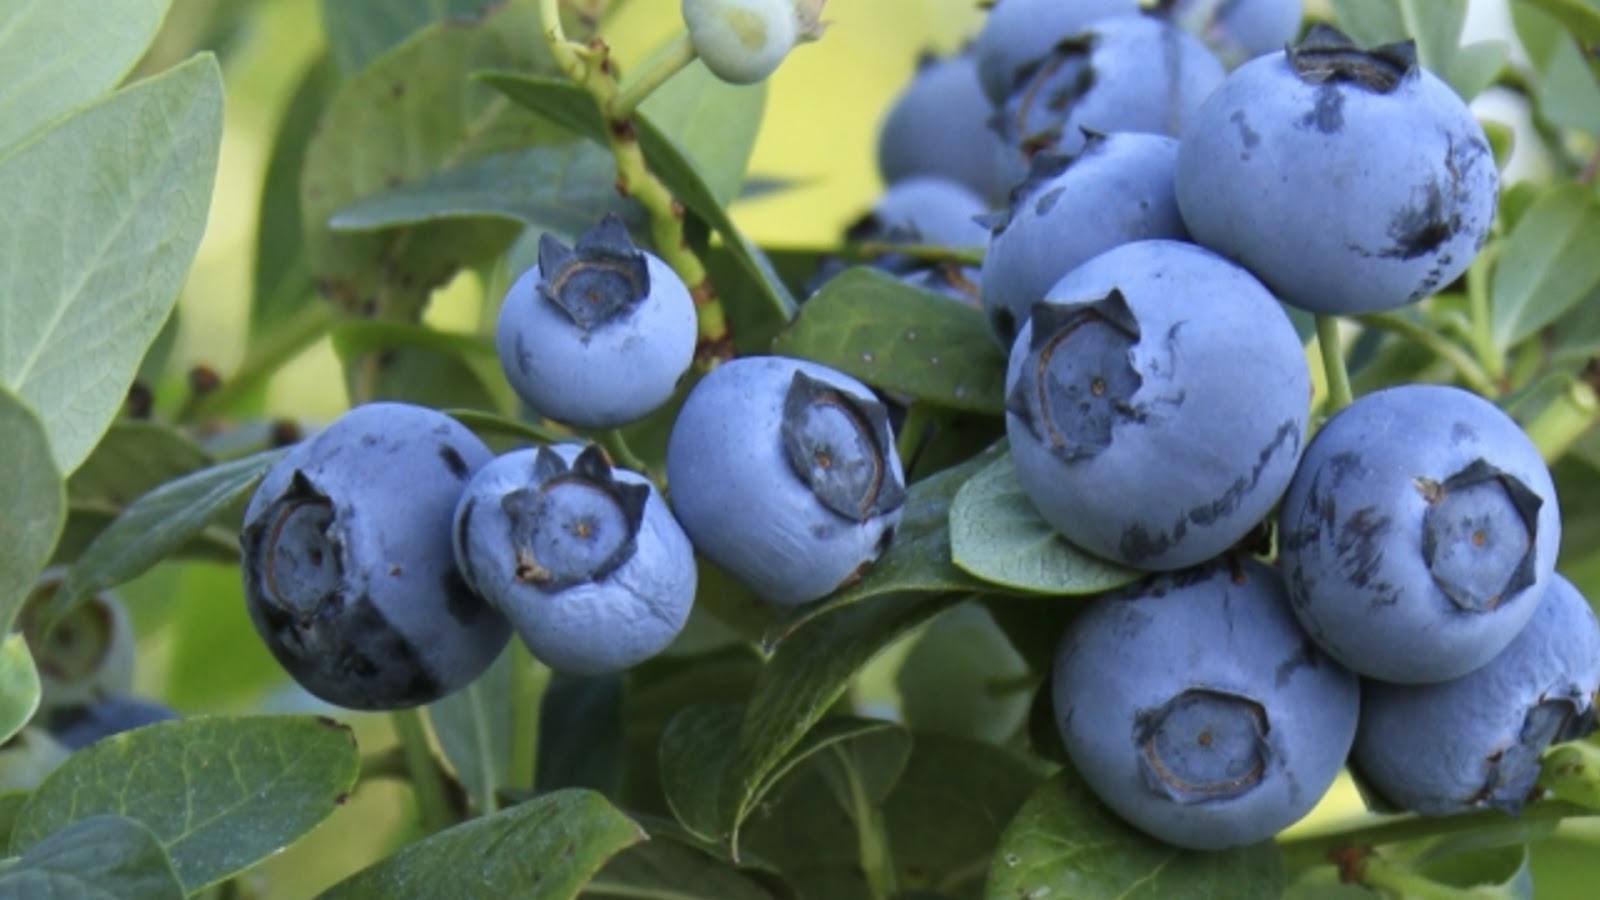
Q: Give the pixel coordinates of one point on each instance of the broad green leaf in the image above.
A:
(359, 31)
(963, 678)
(408, 115)
(487, 424)
(544, 849)
(1565, 92)
(105, 856)
(1502, 872)
(217, 660)
(11, 802)
(1473, 69)
(998, 536)
(902, 339)
(58, 54)
(714, 122)
(580, 734)
(19, 685)
(1063, 843)
(1548, 264)
(569, 105)
(559, 188)
(1572, 773)
(1580, 18)
(221, 794)
(33, 504)
(947, 811)
(160, 522)
(1370, 22)
(664, 869)
(696, 750)
(104, 215)
(476, 725)
(1436, 27)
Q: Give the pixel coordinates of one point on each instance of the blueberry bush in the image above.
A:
(1181, 480)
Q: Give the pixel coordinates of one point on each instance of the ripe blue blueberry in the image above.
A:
(784, 473)
(1475, 741)
(596, 335)
(924, 209)
(79, 726)
(1237, 30)
(1117, 190)
(1194, 706)
(1349, 181)
(585, 560)
(1419, 534)
(939, 126)
(1119, 74)
(1157, 402)
(1017, 33)
(348, 568)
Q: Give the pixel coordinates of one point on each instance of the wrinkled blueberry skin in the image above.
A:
(1018, 32)
(1475, 741)
(924, 209)
(610, 373)
(623, 617)
(1355, 523)
(1118, 190)
(1170, 435)
(1121, 74)
(1194, 706)
(77, 727)
(740, 500)
(939, 126)
(1343, 199)
(348, 568)
(1237, 30)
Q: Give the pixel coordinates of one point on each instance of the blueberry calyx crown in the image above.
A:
(596, 280)
(298, 554)
(1043, 167)
(1078, 378)
(573, 524)
(838, 445)
(1052, 85)
(1478, 535)
(1327, 55)
(1204, 745)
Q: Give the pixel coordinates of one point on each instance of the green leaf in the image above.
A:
(901, 338)
(217, 659)
(475, 727)
(19, 685)
(1548, 264)
(33, 504)
(997, 535)
(664, 869)
(713, 122)
(1474, 69)
(407, 116)
(221, 794)
(1502, 872)
(962, 677)
(104, 213)
(359, 31)
(545, 849)
(580, 734)
(1369, 23)
(1565, 92)
(569, 105)
(487, 424)
(11, 802)
(947, 811)
(1063, 843)
(1436, 26)
(57, 55)
(1571, 772)
(696, 750)
(161, 521)
(1578, 17)
(104, 856)
(558, 188)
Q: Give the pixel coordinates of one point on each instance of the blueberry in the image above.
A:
(1019, 32)
(79, 726)
(1116, 190)
(88, 654)
(939, 126)
(784, 473)
(1237, 30)
(1119, 74)
(596, 335)
(1195, 707)
(585, 560)
(1419, 533)
(1475, 741)
(1350, 181)
(1156, 402)
(924, 209)
(349, 573)
(948, 279)
(744, 41)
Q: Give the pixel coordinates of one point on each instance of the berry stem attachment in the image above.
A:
(1328, 346)
(1565, 418)
(1465, 365)
(1482, 317)
(590, 68)
(675, 59)
(433, 802)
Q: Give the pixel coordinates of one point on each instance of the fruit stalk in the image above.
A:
(589, 66)
(1468, 368)
(433, 803)
(1328, 346)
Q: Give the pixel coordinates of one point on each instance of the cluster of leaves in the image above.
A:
(436, 137)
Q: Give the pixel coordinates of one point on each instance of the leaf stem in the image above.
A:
(427, 782)
(1449, 351)
(1339, 395)
(676, 58)
(616, 446)
(1565, 419)
(1482, 314)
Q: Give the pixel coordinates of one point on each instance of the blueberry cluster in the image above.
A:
(1163, 214)
(389, 558)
